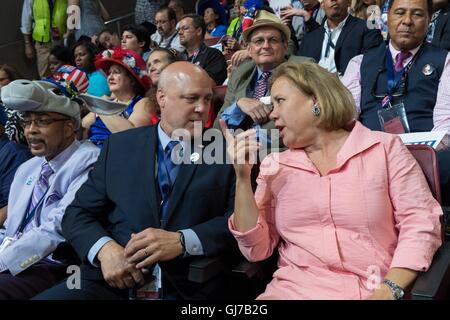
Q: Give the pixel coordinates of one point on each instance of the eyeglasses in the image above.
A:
(41, 123)
(400, 90)
(273, 41)
(161, 22)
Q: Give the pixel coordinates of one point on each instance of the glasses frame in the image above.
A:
(41, 123)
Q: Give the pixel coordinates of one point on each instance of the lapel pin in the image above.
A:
(29, 181)
(195, 157)
(428, 69)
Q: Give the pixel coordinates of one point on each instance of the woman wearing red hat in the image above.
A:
(128, 82)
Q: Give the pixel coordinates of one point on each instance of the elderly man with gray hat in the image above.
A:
(42, 188)
(12, 155)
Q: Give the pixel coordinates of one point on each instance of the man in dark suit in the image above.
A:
(439, 29)
(340, 38)
(142, 214)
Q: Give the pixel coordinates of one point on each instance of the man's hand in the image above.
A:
(29, 51)
(152, 245)
(258, 111)
(289, 12)
(118, 273)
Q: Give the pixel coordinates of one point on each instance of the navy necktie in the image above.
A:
(330, 44)
(167, 173)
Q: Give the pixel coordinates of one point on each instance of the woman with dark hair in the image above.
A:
(128, 82)
(136, 38)
(215, 23)
(107, 40)
(84, 58)
(59, 56)
(13, 127)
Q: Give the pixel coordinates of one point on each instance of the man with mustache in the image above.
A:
(166, 35)
(407, 71)
(42, 188)
(142, 219)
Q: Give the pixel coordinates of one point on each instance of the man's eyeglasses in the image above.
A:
(273, 41)
(41, 123)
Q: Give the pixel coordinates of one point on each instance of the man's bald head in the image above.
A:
(179, 72)
(184, 96)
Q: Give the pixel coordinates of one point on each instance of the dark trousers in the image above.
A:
(37, 278)
(89, 290)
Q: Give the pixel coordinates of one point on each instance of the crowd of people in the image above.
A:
(104, 162)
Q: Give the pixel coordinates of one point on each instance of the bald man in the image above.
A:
(151, 204)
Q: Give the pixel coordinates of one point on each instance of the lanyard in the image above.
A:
(395, 78)
(170, 40)
(30, 215)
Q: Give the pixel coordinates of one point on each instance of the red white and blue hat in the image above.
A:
(70, 80)
(128, 59)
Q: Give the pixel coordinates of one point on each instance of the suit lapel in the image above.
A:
(184, 177)
(317, 49)
(148, 166)
(439, 29)
(248, 82)
(346, 30)
(21, 207)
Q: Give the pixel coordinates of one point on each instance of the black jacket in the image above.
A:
(355, 39)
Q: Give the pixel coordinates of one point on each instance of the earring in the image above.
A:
(316, 110)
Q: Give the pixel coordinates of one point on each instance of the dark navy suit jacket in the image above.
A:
(120, 197)
(441, 38)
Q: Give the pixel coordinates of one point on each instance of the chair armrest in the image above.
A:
(434, 284)
(247, 269)
(203, 269)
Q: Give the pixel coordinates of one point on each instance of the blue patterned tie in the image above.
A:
(167, 174)
(330, 44)
(39, 190)
(261, 85)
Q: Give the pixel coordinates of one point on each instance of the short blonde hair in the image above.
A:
(335, 101)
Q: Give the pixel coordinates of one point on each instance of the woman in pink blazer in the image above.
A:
(347, 208)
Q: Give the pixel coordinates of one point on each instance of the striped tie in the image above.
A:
(261, 85)
(39, 189)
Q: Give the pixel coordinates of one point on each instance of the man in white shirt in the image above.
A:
(42, 188)
(166, 35)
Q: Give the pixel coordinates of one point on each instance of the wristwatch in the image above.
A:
(183, 244)
(397, 291)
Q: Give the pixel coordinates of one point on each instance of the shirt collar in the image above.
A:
(339, 27)
(57, 162)
(394, 51)
(359, 139)
(173, 34)
(164, 139)
(259, 72)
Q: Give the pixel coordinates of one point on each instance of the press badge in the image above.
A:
(393, 119)
(152, 289)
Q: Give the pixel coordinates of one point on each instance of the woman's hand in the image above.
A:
(242, 150)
